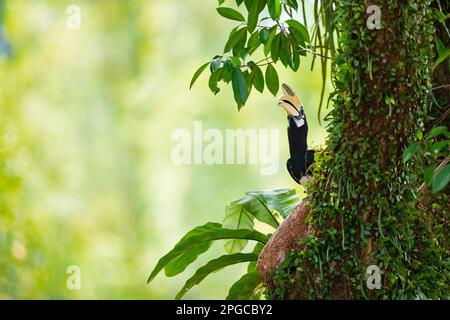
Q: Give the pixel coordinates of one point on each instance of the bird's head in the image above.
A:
(289, 101)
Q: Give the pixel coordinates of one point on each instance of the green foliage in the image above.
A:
(277, 40)
(441, 179)
(432, 152)
(363, 201)
(215, 265)
(269, 207)
(230, 14)
(199, 235)
(245, 287)
(363, 198)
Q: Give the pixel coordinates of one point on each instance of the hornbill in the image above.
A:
(301, 158)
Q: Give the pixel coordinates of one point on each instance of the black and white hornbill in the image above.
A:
(301, 158)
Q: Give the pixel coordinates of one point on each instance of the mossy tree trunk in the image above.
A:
(363, 201)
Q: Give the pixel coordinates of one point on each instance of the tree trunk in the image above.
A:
(362, 201)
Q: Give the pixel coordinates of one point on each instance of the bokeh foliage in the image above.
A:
(85, 139)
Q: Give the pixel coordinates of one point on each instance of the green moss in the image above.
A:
(363, 199)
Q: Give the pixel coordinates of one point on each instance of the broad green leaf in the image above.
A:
(212, 266)
(258, 79)
(274, 8)
(256, 250)
(259, 209)
(294, 24)
(440, 46)
(293, 4)
(253, 15)
(197, 74)
(249, 81)
(410, 151)
(264, 34)
(236, 36)
(268, 45)
(207, 236)
(438, 146)
(214, 78)
(295, 64)
(272, 80)
(236, 217)
(239, 50)
(239, 87)
(428, 174)
(253, 43)
(441, 130)
(221, 2)
(244, 288)
(277, 44)
(441, 179)
(441, 58)
(285, 52)
(230, 14)
(180, 263)
(282, 200)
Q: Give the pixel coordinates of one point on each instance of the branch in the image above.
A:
(441, 118)
(438, 169)
(440, 87)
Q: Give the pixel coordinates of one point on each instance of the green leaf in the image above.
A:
(236, 217)
(212, 266)
(272, 80)
(230, 14)
(253, 15)
(293, 4)
(295, 64)
(277, 44)
(268, 45)
(239, 49)
(253, 41)
(244, 288)
(438, 146)
(264, 34)
(441, 179)
(214, 78)
(206, 236)
(239, 87)
(440, 46)
(294, 24)
(282, 200)
(236, 36)
(197, 74)
(410, 151)
(259, 209)
(228, 70)
(285, 53)
(180, 263)
(256, 250)
(258, 79)
(441, 130)
(274, 8)
(428, 174)
(441, 58)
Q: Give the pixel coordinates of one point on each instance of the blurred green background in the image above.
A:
(86, 117)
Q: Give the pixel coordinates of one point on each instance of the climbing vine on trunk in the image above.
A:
(363, 200)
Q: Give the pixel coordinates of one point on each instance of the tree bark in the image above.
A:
(361, 210)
